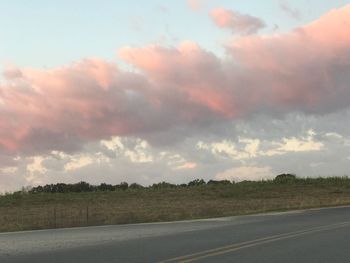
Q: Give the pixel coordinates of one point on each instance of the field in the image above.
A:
(24, 211)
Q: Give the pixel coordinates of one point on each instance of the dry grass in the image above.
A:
(40, 211)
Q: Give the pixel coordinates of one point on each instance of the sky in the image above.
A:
(150, 91)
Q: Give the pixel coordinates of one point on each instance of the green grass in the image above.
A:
(23, 211)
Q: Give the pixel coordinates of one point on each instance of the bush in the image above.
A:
(122, 186)
(163, 185)
(135, 186)
(105, 187)
(281, 178)
(220, 182)
(196, 182)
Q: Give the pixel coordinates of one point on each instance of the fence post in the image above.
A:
(87, 214)
(55, 216)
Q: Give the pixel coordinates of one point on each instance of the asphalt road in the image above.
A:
(320, 235)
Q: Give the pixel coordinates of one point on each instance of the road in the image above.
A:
(316, 235)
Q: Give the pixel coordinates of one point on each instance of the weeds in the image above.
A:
(166, 202)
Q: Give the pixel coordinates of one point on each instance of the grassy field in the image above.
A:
(24, 211)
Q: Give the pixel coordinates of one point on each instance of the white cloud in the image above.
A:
(229, 149)
(248, 148)
(114, 144)
(334, 135)
(294, 144)
(36, 166)
(140, 153)
(136, 150)
(251, 147)
(299, 145)
(250, 173)
(9, 170)
(223, 148)
(77, 162)
(59, 155)
(173, 159)
(36, 171)
(338, 137)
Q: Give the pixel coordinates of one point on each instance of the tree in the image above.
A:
(220, 182)
(82, 187)
(135, 186)
(105, 187)
(196, 182)
(163, 185)
(122, 186)
(285, 178)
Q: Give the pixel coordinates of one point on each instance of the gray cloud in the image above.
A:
(292, 12)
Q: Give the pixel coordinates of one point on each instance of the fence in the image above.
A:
(43, 217)
(27, 217)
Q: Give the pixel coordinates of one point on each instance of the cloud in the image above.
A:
(186, 166)
(36, 170)
(238, 23)
(196, 5)
(105, 161)
(9, 170)
(177, 91)
(139, 153)
(244, 149)
(247, 148)
(77, 163)
(294, 144)
(306, 69)
(292, 12)
(250, 173)
(111, 165)
(185, 78)
(61, 109)
(36, 166)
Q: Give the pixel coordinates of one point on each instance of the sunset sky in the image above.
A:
(150, 91)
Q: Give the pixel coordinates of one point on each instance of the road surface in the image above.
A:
(317, 235)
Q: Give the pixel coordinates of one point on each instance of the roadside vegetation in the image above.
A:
(82, 204)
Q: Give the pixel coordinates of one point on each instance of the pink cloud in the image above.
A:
(236, 22)
(84, 101)
(188, 70)
(186, 86)
(305, 69)
(186, 166)
(196, 5)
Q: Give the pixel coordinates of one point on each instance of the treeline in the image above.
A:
(86, 187)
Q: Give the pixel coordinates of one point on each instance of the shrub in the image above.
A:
(196, 182)
(122, 186)
(105, 187)
(285, 178)
(220, 182)
(163, 185)
(135, 186)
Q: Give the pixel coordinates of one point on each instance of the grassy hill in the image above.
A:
(166, 202)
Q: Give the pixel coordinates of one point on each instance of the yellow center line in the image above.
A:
(251, 243)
